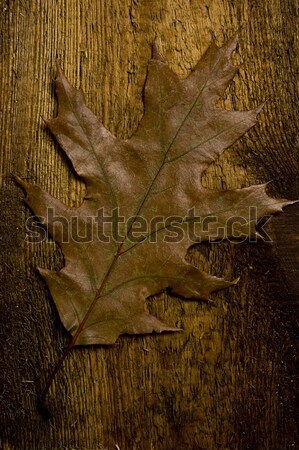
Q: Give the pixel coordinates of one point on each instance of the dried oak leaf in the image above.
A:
(100, 293)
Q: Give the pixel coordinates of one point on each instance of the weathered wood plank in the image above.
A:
(227, 381)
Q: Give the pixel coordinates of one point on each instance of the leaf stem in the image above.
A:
(56, 368)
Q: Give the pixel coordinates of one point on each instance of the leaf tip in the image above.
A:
(59, 71)
(234, 39)
(167, 329)
(16, 178)
(235, 281)
(156, 52)
(232, 43)
(47, 122)
(289, 202)
(60, 77)
(19, 181)
(260, 107)
(43, 272)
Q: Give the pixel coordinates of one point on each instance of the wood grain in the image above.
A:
(228, 381)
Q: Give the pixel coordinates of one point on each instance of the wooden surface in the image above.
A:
(227, 382)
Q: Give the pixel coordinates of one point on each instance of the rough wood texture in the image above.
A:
(227, 382)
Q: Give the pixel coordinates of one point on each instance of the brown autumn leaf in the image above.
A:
(156, 174)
